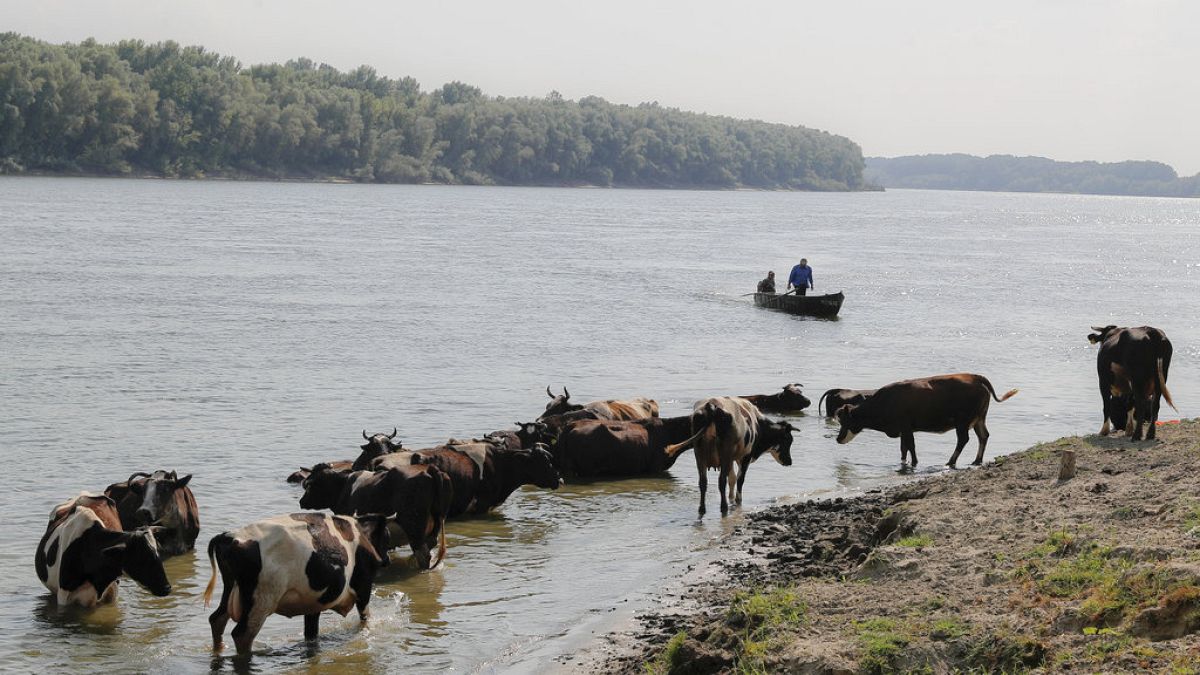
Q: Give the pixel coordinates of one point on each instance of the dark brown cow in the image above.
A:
(1132, 365)
(526, 436)
(728, 432)
(932, 404)
(484, 474)
(375, 446)
(791, 399)
(163, 499)
(836, 398)
(299, 564)
(85, 551)
(418, 496)
(632, 409)
(594, 448)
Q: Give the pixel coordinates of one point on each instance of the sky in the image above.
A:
(1104, 80)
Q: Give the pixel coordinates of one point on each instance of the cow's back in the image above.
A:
(930, 403)
(737, 435)
(59, 559)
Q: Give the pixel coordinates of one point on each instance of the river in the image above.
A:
(238, 330)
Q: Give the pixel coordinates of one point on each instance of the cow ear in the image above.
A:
(1094, 338)
(182, 482)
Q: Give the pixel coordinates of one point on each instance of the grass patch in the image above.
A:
(1191, 517)
(948, 629)
(1005, 652)
(669, 658)
(1125, 513)
(765, 618)
(915, 541)
(882, 642)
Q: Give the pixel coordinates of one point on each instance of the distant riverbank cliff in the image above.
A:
(1006, 173)
(133, 108)
(1005, 568)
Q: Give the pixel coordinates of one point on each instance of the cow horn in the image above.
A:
(395, 430)
(548, 392)
(566, 393)
(365, 436)
(134, 475)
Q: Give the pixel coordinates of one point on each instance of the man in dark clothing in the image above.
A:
(767, 285)
(801, 277)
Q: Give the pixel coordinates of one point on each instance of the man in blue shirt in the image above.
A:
(801, 277)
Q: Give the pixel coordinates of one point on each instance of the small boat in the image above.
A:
(825, 306)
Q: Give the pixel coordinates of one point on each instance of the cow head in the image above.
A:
(775, 438)
(532, 433)
(1101, 333)
(1119, 410)
(155, 495)
(537, 466)
(137, 554)
(851, 426)
(322, 487)
(793, 398)
(377, 445)
(375, 531)
(560, 404)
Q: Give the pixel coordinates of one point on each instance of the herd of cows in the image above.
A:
(305, 563)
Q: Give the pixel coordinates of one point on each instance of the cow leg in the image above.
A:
(1105, 395)
(981, 432)
(219, 619)
(908, 444)
(252, 622)
(1155, 402)
(741, 479)
(312, 626)
(1139, 417)
(703, 487)
(722, 480)
(963, 436)
(731, 479)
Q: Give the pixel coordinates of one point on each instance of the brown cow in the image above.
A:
(933, 404)
(632, 409)
(1132, 364)
(791, 399)
(836, 398)
(591, 448)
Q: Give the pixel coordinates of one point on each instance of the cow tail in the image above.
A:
(822, 400)
(707, 420)
(1162, 386)
(1001, 399)
(212, 580)
(443, 494)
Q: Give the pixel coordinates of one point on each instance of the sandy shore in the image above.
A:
(998, 569)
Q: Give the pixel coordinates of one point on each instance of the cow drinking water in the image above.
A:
(1132, 365)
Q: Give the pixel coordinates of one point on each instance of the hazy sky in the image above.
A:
(1068, 79)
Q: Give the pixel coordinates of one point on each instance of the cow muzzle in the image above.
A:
(845, 436)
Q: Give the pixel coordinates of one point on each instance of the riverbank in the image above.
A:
(1002, 568)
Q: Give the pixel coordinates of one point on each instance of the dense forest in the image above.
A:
(162, 109)
(1030, 174)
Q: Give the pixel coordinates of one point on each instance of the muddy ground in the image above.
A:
(1002, 568)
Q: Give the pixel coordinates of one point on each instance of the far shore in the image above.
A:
(1004, 568)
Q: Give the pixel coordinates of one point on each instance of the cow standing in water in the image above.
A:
(85, 551)
(300, 564)
(592, 448)
(729, 431)
(160, 498)
(632, 409)
(1132, 365)
(791, 399)
(934, 404)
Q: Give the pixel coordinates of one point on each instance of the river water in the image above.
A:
(238, 330)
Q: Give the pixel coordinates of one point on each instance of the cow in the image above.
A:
(376, 445)
(633, 409)
(84, 551)
(298, 564)
(1132, 364)
(526, 436)
(417, 496)
(836, 398)
(729, 431)
(484, 474)
(932, 404)
(791, 399)
(592, 448)
(160, 498)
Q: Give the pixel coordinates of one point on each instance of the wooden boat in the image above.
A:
(825, 306)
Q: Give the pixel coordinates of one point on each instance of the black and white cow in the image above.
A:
(163, 499)
(85, 551)
(299, 564)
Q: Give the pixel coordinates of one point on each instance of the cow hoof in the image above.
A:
(950, 465)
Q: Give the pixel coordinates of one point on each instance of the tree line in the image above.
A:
(1030, 174)
(168, 110)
